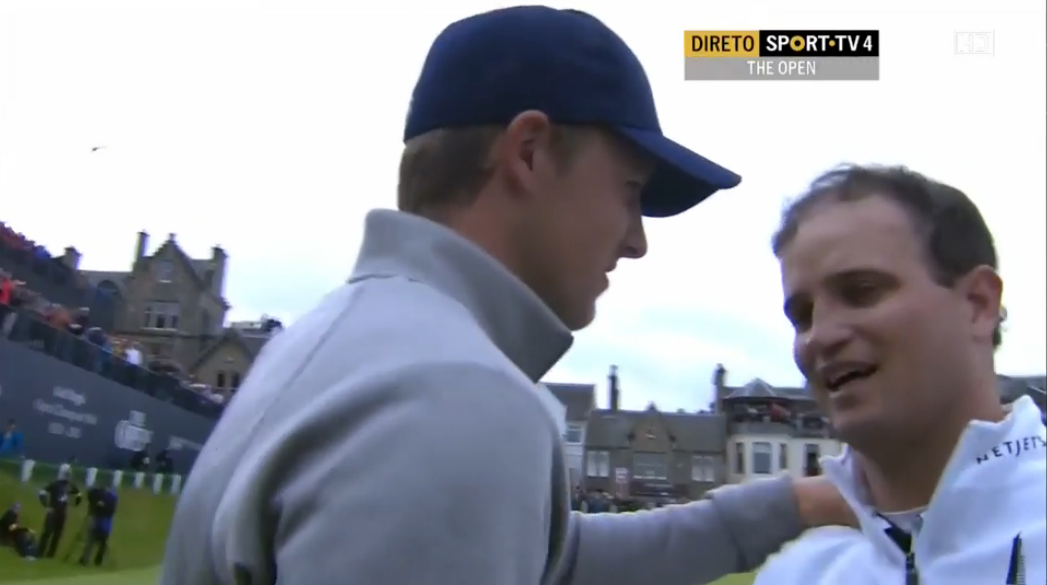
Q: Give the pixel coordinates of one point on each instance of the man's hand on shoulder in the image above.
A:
(821, 504)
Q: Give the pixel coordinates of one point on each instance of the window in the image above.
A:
(165, 271)
(703, 468)
(160, 315)
(235, 383)
(598, 464)
(650, 466)
(762, 457)
(783, 457)
(219, 380)
(811, 454)
(205, 322)
(739, 458)
(574, 434)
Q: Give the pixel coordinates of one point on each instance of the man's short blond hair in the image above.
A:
(448, 167)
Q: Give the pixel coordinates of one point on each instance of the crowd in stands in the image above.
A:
(778, 412)
(72, 334)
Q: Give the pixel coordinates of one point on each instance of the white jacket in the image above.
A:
(985, 524)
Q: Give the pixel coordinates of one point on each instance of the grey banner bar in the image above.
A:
(781, 68)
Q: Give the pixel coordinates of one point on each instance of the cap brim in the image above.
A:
(682, 178)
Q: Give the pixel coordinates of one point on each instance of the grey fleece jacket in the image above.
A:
(395, 435)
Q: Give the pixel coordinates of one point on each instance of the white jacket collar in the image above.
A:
(981, 465)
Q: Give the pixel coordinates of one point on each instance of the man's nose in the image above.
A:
(635, 245)
(827, 338)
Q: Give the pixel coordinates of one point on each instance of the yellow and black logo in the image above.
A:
(782, 43)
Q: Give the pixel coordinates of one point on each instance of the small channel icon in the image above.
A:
(975, 43)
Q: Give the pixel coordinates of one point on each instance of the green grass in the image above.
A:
(136, 543)
(134, 577)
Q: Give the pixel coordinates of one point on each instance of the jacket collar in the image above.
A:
(968, 476)
(510, 313)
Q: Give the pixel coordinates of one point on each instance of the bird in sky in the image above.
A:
(96, 148)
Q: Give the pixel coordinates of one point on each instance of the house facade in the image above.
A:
(650, 454)
(772, 430)
(174, 307)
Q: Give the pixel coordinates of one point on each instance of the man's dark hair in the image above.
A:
(955, 236)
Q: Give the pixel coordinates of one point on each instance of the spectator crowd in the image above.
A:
(70, 334)
(769, 411)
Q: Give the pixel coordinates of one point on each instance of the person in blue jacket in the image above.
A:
(101, 509)
(11, 441)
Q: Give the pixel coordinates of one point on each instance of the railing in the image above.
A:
(27, 328)
(58, 283)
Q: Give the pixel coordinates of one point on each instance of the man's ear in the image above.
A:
(523, 153)
(982, 289)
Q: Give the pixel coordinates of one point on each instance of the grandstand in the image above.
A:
(143, 354)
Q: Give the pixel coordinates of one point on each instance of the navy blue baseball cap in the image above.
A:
(488, 68)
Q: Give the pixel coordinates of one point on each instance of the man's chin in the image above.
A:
(580, 319)
(858, 429)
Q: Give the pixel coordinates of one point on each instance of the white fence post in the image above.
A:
(27, 470)
(91, 477)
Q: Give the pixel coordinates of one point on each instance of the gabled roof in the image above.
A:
(652, 410)
(758, 388)
(696, 432)
(250, 344)
(195, 268)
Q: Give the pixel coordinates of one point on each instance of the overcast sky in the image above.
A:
(272, 127)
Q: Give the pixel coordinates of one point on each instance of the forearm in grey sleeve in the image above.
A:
(445, 481)
(690, 544)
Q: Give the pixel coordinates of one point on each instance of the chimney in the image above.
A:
(218, 266)
(143, 244)
(613, 391)
(71, 258)
(719, 387)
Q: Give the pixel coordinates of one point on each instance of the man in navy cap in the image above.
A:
(397, 434)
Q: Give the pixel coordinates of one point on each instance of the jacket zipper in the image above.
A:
(912, 575)
(906, 541)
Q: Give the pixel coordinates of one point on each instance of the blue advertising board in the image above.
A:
(63, 411)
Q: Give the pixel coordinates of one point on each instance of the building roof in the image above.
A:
(691, 431)
(198, 268)
(1011, 387)
(578, 399)
(249, 342)
(757, 388)
(1014, 387)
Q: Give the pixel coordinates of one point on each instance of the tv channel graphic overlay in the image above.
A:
(794, 55)
(976, 43)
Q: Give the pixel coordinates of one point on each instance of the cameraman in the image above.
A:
(56, 497)
(101, 506)
(13, 534)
